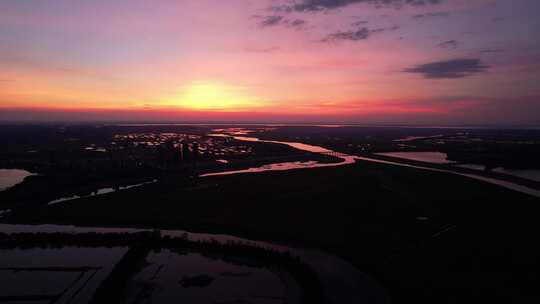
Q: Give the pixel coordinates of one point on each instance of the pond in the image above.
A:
(12, 177)
(173, 277)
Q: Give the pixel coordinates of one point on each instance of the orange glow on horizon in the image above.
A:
(212, 96)
(216, 103)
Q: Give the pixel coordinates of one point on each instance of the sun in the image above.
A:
(213, 96)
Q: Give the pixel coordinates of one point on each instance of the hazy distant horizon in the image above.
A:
(467, 118)
(246, 123)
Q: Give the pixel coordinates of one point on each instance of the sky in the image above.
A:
(356, 61)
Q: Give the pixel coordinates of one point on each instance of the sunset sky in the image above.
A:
(363, 61)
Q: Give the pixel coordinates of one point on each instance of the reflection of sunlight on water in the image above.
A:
(346, 159)
(285, 166)
(12, 177)
(271, 167)
(413, 138)
(434, 157)
(99, 192)
(195, 278)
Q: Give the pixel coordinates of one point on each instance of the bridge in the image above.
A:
(334, 154)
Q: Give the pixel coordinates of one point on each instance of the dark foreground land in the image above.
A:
(426, 237)
(114, 289)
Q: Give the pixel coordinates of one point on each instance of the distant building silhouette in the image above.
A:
(169, 154)
(195, 150)
(186, 155)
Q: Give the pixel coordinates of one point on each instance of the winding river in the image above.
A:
(350, 159)
(341, 281)
(346, 159)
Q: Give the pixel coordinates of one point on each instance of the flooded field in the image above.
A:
(74, 275)
(54, 275)
(182, 277)
(146, 267)
(159, 276)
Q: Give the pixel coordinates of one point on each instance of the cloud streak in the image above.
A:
(268, 21)
(354, 35)
(428, 15)
(449, 44)
(262, 50)
(450, 69)
(362, 33)
(295, 23)
(491, 51)
(324, 5)
(277, 20)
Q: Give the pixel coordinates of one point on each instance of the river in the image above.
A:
(342, 282)
(349, 159)
(346, 159)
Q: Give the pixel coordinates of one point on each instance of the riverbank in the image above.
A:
(465, 171)
(415, 231)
